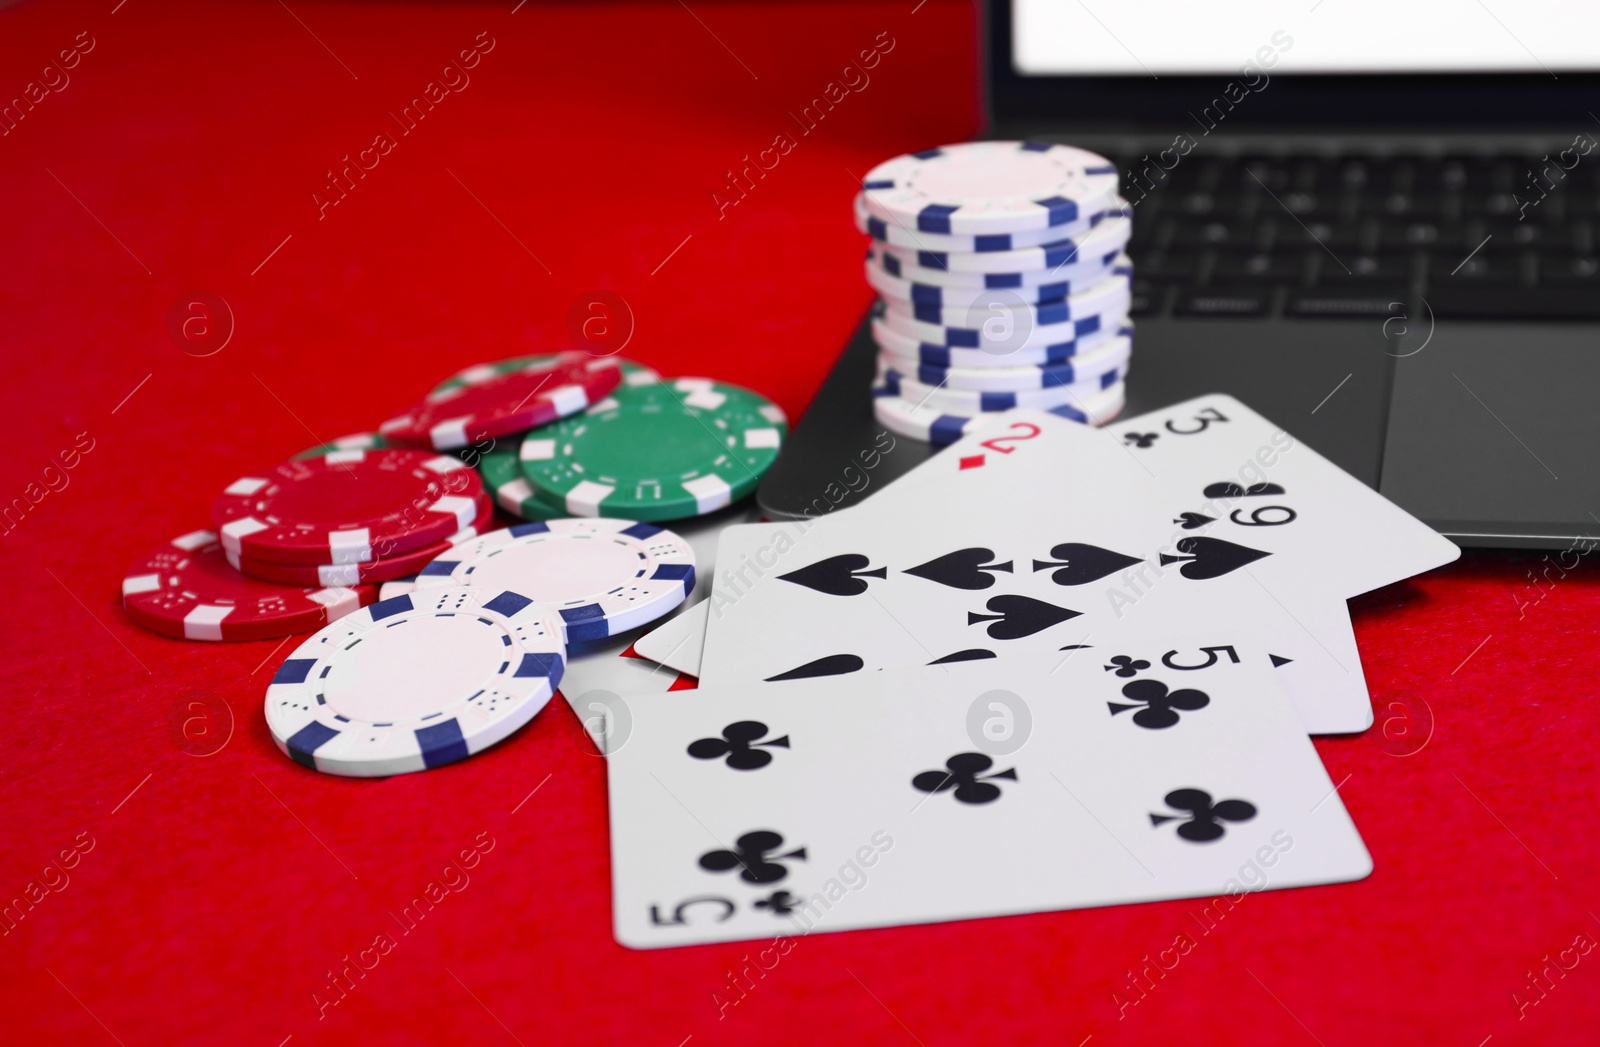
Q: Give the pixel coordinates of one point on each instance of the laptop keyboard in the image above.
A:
(1342, 237)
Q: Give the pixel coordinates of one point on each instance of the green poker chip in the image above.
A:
(665, 451)
(632, 373)
(502, 476)
(353, 442)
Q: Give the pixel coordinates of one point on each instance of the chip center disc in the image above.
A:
(372, 496)
(679, 445)
(1023, 174)
(559, 571)
(399, 675)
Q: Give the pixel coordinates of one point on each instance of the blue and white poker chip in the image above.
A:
(965, 402)
(910, 236)
(1099, 241)
(1111, 355)
(416, 682)
(1001, 325)
(917, 291)
(1087, 337)
(600, 576)
(1039, 284)
(983, 188)
(930, 425)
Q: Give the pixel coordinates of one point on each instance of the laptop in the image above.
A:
(1376, 223)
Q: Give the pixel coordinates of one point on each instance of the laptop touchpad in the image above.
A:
(1495, 429)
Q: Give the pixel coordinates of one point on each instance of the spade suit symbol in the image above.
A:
(1019, 616)
(1210, 557)
(1229, 489)
(831, 665)
(1078, 563)
(1190, 521)
(842, 575)
(962, 569)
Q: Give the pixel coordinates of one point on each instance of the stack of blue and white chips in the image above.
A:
(1002, 284)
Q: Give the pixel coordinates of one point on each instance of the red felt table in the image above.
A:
(208, 888)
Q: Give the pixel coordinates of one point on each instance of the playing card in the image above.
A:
(1233, 490)
(858, 593)
(678, 643)
(1163, 769)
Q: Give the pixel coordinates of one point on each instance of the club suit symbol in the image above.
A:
(1077, 563)
(963, 776)
(1204, 822)
(1157, 706)
(962, 569)
(1140, 440)
(753, 854)
(779, 903)
(1018, 616)
(735, 747)
(1210, 557)
(1126, 665)
(842, 575)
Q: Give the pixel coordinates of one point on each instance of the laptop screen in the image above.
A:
(1155, 38)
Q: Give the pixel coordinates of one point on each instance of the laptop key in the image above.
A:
(1459, 301)
(1481, 270)
(1326, 303)
(1574, 270)
(1266, 268)
(1225, 302)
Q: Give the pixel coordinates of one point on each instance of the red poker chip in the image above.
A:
(503, 404)
(347, 507)
(382, 570)
(186, 589)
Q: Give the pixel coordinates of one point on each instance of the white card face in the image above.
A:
(678, 643)
(1222, 474)
(856, 593)
(950, 792)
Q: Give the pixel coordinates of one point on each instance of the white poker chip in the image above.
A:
(940, 355)
(1109, 236)
(416, 682)
(1092, 363)
(930, 425)
(962, 402)
(600, 576)
(980, 188)
(920, 286)
(1002, 326)
(1112, 369)
(397, 587)
(909, 236)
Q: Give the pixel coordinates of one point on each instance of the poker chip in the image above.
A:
(397, 587)
(353, 442)
(501, 470)
(632, 373)
(679, 448)
(416, 682)
(1109, 355)
(982, 188)
(1091, 336)
(1072, 278)
(966, 402)
(602, 576)
(909, 236)
(347, 507)
(185, 589)
(999, 328)
(1039, 284)
(1109, 236)
(907, 419)
(502, 404)
(380, 570)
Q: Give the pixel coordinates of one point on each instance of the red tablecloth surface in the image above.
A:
(206, 898)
